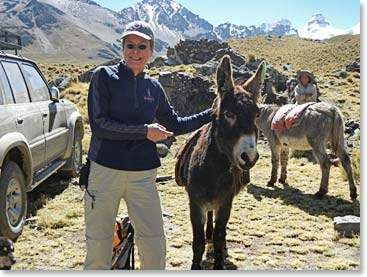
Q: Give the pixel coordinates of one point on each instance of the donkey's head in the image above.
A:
(236, 108)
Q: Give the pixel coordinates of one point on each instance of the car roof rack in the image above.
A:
(10, 41)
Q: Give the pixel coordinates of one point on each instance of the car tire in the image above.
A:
(76, 158)
(13, 200)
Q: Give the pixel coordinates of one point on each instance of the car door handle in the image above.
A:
(20, 120)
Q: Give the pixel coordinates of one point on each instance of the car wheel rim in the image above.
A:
(14, 201)
(77, 156)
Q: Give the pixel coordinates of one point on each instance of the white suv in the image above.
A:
(40, 134)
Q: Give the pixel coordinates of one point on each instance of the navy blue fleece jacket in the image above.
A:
(120, 106)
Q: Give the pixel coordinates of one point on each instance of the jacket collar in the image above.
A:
(122, 68)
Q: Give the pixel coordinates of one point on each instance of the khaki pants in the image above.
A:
(138, 189)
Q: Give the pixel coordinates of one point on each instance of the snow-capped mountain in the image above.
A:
(280, 28)
(228, 30)
(171, 22)
(319, 28)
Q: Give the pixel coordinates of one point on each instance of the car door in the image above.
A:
(53, 113)
(28, 118)
(7, 119)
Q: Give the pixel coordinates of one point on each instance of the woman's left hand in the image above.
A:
(157, 132)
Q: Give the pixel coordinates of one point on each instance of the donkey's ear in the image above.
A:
(224, 76)
(254, 84)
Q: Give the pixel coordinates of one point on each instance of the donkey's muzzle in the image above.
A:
(247, 161)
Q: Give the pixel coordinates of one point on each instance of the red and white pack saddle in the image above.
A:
(289, 116)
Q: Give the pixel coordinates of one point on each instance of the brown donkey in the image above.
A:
(210, 162)
(322, 123)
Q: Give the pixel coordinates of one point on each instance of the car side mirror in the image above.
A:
(55, 94)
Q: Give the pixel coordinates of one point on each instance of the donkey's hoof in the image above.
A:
(270, 184)
(218, 266)
(320, 194)
(353, 195)
(195, 266)
(283, 181)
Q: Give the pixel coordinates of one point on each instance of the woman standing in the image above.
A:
(122, 104)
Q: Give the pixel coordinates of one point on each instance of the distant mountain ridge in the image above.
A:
(174, 22)
(280, 28)
(83, 30)
(171, 22)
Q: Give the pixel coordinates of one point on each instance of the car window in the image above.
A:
(17, 83)
(5, 92)
(38, 88)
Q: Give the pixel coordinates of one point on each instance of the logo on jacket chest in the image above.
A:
(148, 97)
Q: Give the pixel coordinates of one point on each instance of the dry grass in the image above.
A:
(280, 228)
(78, 94)
(154, 72)
(269, 228)
(54, 71)
(321, 57)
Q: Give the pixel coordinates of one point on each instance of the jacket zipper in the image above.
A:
(136, 102)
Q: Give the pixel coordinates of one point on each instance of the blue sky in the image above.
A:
(341, 14)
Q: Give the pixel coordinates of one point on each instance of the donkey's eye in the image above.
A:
(229, 115)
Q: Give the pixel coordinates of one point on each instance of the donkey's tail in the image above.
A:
(337, 133)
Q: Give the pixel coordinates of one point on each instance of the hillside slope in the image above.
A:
(323, 58)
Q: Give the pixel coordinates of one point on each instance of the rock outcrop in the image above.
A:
(188, 94)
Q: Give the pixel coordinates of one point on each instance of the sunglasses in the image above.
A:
(134, 46)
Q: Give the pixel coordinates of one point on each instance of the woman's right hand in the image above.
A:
(157, 132)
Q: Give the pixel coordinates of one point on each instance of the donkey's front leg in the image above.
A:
(219, 238)
(197, 217)
(275, 152)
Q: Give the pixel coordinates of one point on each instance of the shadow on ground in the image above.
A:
(49, 189)
(208, 258)
(329, 206)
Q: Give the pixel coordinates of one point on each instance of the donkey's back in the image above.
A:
(321, 123)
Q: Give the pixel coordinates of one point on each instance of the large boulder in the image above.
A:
(240, 71)
(278, 79)
(56, 82)
(354, 66)
(65, 83)
(188, 94)
(347, 226)
(61, 83)
(341, 73)
(87, 76)
(236, 58)
(194, 51)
